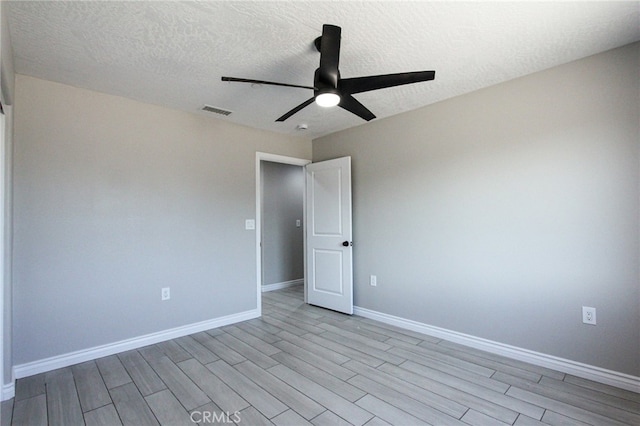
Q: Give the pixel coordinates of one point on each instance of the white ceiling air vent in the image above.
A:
(215, 110)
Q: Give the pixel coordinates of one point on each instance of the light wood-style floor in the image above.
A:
(301, 365)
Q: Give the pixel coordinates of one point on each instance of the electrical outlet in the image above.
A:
(589, 315)
(166, 293)
(373, 280)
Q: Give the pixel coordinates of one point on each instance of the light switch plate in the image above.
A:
(249, 224)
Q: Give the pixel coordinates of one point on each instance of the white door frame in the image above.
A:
(3, 144)
(274, 158)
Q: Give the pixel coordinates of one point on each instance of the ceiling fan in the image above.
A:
(331, 90)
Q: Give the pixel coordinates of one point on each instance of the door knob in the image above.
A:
(347, 243)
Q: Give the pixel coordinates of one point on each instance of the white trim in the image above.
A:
(8, 391)
(60, 361)
(7, 243)
(274, 158)
(280, 286)
(3, 242)
(590, 372)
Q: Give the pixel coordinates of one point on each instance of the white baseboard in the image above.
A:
(8, 391)
(585, 371)
(65, 360)
(279, 286)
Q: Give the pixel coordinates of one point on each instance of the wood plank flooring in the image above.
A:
(302, 365)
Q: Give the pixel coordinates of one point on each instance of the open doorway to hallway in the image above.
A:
(282, 225)
(280, 214)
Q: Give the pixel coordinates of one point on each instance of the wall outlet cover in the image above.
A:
(589, 315)
(166, 293)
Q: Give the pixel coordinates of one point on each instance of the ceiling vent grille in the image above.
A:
(215, 110)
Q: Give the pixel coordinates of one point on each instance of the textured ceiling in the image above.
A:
(174, 53)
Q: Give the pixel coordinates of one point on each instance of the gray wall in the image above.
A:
(283, 204)
(502, 212)
(7, 76)
(115, 199)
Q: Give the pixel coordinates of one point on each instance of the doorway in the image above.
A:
(280, 212)
(281, 219)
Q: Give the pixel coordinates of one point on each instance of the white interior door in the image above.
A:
(329, 257)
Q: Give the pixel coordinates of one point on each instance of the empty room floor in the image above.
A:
(299, 365)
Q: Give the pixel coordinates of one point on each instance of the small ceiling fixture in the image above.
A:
(301, 127)
(329, 89)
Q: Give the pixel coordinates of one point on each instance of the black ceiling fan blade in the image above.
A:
(330, 55)
(270, 83)
(352, 105)
(374, 82)
(296, 109)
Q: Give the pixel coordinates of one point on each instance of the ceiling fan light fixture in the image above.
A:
(328, 99)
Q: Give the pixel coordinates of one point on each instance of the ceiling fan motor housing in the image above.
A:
(321, 86)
